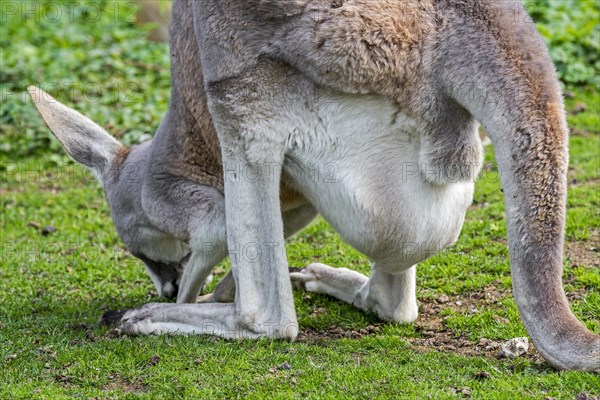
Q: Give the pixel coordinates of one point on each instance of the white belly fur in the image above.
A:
(377, 199)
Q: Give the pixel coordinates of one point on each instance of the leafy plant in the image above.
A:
(90, 54)
(571, 29)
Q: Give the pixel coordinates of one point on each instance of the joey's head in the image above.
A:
(85, 141)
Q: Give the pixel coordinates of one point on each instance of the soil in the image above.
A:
(431, 325)
(311, 335)
(125, 386)
(584, 253)
(432, 314)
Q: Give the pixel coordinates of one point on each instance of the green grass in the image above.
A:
(55, 286)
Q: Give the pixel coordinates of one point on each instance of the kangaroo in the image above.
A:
(150, 200)
(391, 93)
(166, 194)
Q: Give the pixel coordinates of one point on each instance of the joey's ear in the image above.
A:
(84, 140)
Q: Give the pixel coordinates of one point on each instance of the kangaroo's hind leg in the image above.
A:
(391, 296)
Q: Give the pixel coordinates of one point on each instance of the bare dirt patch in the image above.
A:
(445, 340)
(125, 386)
(580, 133)
(573, 182)
(584, 253)
(431, 325)
(311, 335)
(438, 336)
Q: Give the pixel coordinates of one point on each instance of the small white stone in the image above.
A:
(515, 347)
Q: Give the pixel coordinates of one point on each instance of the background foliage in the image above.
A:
(572, 31)
(100, 60)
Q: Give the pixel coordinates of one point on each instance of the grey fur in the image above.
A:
(274, 76)
(170, 223)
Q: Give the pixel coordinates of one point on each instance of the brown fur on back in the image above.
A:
(359, 45)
